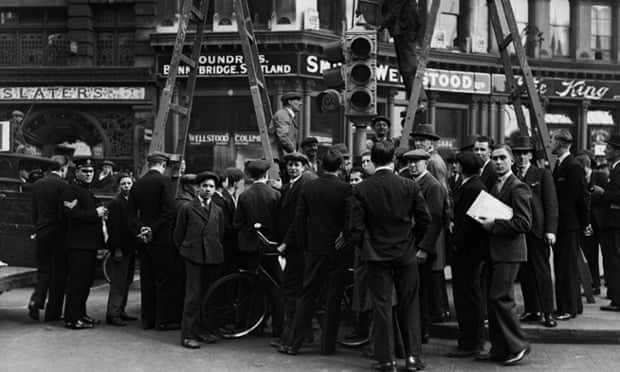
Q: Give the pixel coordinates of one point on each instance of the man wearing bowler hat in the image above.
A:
(151, 215)
(284, 128)
(535, 273)
(84, 237)
(610, 230)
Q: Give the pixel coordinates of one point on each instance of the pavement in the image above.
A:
(27, 345)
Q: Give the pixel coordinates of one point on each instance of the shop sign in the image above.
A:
(61, 93)
(239, 139)
(214, 65)
(565, 88)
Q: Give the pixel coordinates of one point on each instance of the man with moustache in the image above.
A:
(83, 239)
(574, 219)
(535, 274)
(507, 250)
(609, 197)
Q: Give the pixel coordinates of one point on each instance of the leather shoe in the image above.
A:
(80, 324)
(385, 366)
(517, 358)
(190, 344)
(414, 363)
(564, 316)
(275, 344)
(33, 310)
(127, 317)
(90, 320)
(458, 353)
(530, 317)
(168, 327)
(115, 321)
(610, 308)
(207, 338)
(488, 357)
(548, 321)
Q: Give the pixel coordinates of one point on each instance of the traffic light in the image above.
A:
(355, 58)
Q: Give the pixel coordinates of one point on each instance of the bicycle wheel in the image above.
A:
(348, 321)
(235, 305)
(106, 262)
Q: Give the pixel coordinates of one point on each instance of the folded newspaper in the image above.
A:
(488, 207)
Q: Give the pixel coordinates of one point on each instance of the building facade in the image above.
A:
(90, 72)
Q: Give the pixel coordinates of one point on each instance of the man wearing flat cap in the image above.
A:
(535, 273)
(610, 231)
(198, 235)
(424, 138)
(431, 247)
(84, 237)
(381, 126)
(574, 219)
(151, 214)
(284, 128)
(105, 181)
(310, 148)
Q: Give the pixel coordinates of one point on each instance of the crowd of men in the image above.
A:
(398, 219)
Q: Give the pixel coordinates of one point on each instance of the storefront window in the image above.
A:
(371, 10)
(560, 27)
(511, 124)
(601, 32)
(451, 126)
(261, 13)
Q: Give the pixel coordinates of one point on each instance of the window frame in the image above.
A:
(117, 28)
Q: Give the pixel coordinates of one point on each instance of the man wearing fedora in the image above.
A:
(284, 128)
(535, 273)
(610, 230)
(105, 180)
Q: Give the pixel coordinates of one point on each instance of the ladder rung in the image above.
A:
(250, 36)
(519, 90)
(506, 42)
(180, 109)
(188, 61)
(197, 13)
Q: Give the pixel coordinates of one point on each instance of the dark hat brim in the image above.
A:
(431, 136)
(295, 156)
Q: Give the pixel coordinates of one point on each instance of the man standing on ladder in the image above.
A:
(284, 129)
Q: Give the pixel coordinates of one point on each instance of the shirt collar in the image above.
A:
(418, 178)
(389, 167)
(295, 179)
(465, 180)
(290, 111)
(502, 179)
(562, 157)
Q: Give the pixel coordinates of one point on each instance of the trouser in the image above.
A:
(199, 279)
(438, 305)
(425, 279)
(610, 244)
(44, 268)
(505, 333)
(535, 277)
(404, 46)
(566, 253)
(400, 273)
(590, 248)
(157, 285)
(121, 277)
(81, 266)
(292, 281)
(51, 274)
(327, 272)
(58, 282)
(467, 292)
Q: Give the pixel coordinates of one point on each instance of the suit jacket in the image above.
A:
(570, 184)
(611, 200)
(107, 184)
(470, 239)
(323, 213)
(598, 215)
(386, 209)
(436, 198)
(488, 176)
(47, 215)
(283, 132)
(400, 16)
(226, 203)
(507, 238)
(151, 203)
(84, 227)
(288, 208)
(198, 232)
(120, 235)
(258, 203)
(544, 201)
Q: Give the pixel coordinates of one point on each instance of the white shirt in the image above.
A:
(501, 180)
(562, 157)
(389, 167)
(290, 111)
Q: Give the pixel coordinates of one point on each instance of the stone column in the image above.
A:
(582, 126)
(539, 18)
(472, 128)
(279, 83)
(306, 130)
(501, 127)
(580, 27)
(484, 116)
(493, 122)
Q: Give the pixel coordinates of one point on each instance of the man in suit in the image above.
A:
(321, 226)
(470, 240)
(151, 214)
(84, 237)
(284, 129)
(535, 274)
(436, 198)
(105, 181)
(122, 246)
(574, 219)
(482, 147)
(610, 230)
(310, 148)
(292, 278)
(259, 203)
(507, 250)
(50, 229)
(385, 207)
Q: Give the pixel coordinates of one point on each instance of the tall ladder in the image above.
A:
(258, 87)
(190, 13)
(504, 40)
